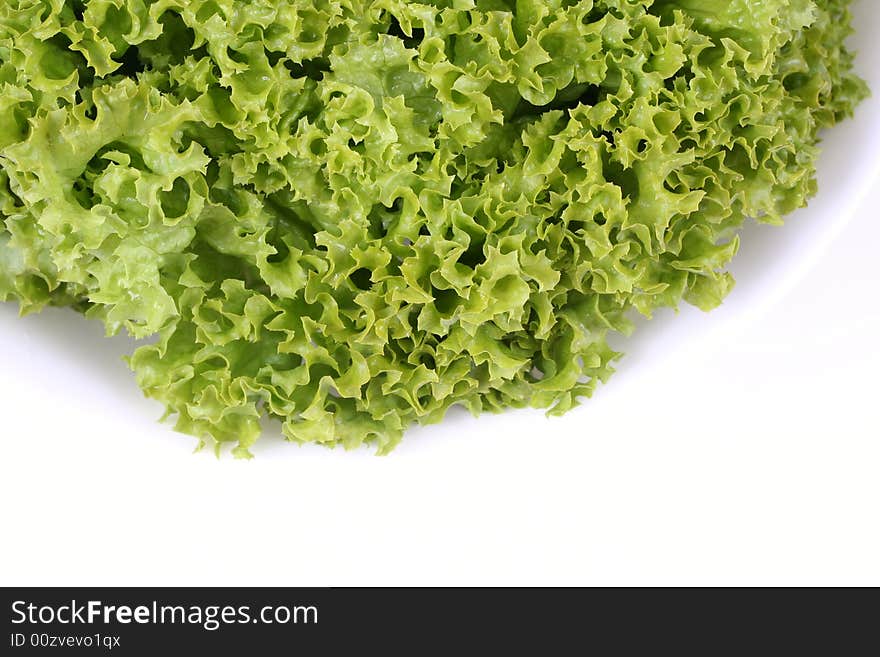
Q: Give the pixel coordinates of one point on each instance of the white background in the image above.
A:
(739, 447)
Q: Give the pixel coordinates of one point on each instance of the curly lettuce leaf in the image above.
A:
(352, 215)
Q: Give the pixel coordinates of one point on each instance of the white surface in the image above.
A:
(739, 447)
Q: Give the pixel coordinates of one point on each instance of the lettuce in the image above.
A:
(351, 215)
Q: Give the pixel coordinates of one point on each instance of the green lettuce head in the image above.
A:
(351, 215)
